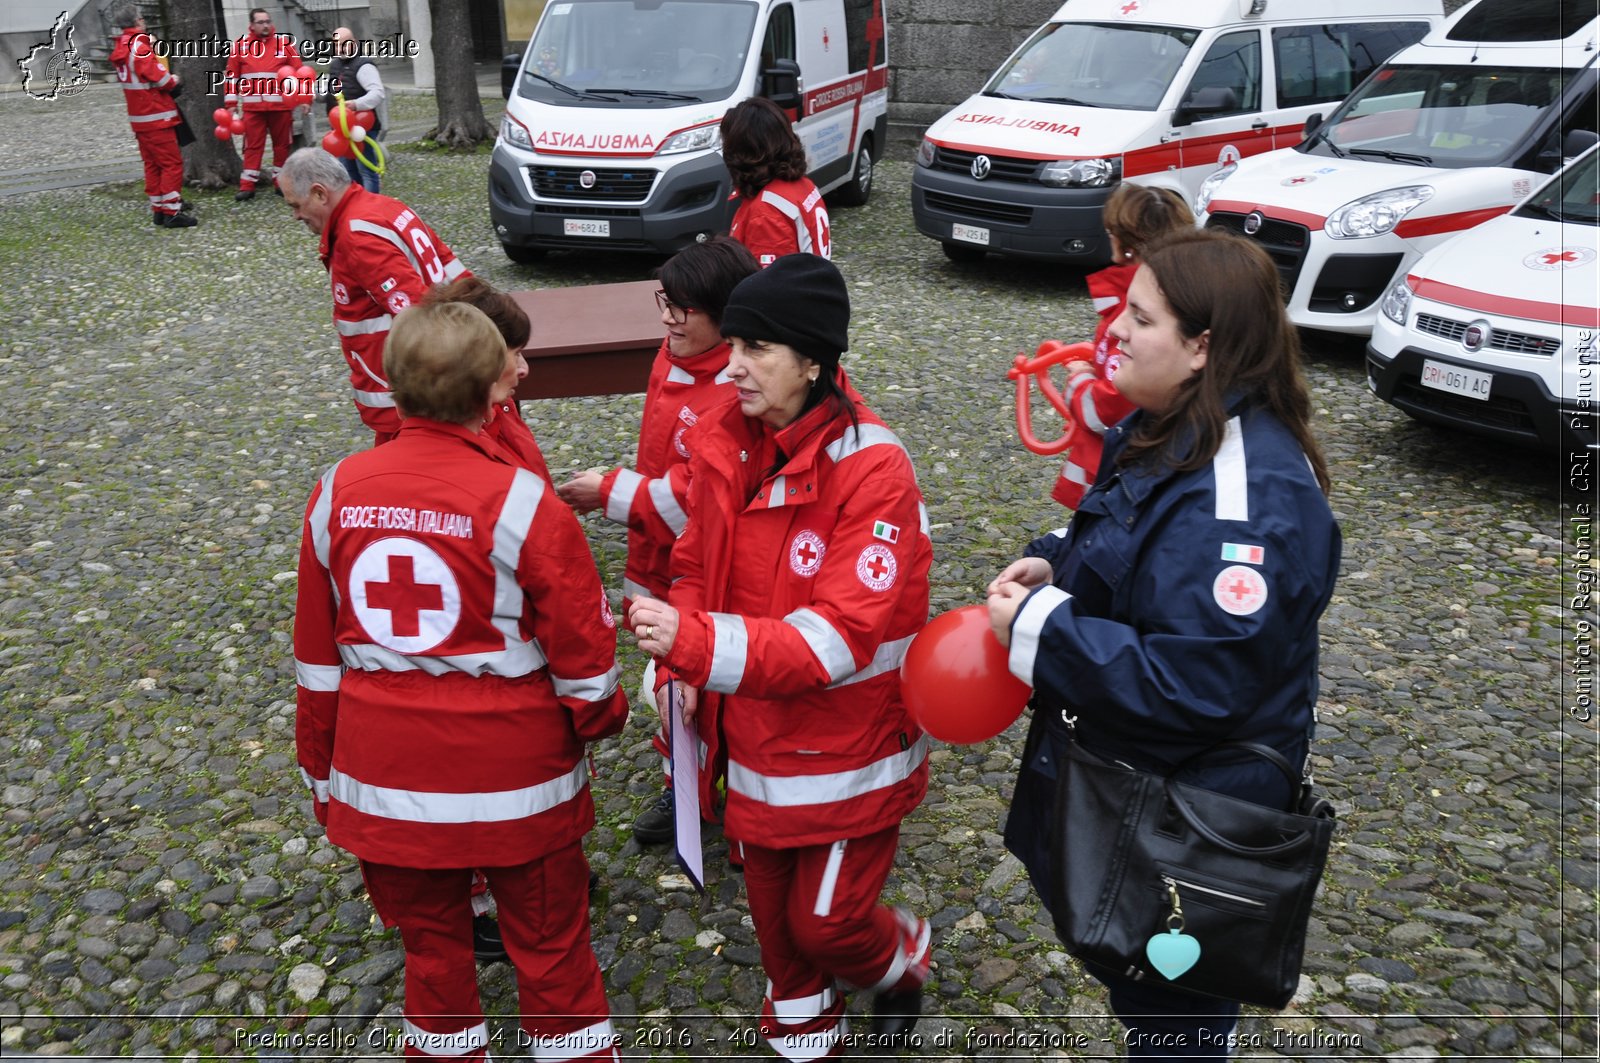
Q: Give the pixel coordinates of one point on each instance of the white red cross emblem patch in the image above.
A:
(876, 567)
(1239, 590)
(805, 553)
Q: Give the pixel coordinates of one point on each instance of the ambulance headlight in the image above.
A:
(1376, 214)
(515, 133)
(1081, 173)
(926, 152)
(1208, 187)
(700, 138)
(1396, 304)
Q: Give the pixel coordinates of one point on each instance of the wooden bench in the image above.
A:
(598, 339)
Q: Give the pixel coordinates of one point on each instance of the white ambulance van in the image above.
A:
(1452, 131)
(1493, 332)
(1161, 92)
(610, 138)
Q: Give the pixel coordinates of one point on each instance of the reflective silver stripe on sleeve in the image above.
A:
(459, 1043)
(321, 513)
(1027, 626)
(375, 399)
(667, 505)
(730, 647)
(318, 787)
(1072, 472)
(888, 658)
(321, 677)
(1233, 479)
(595, 688)
(634, 591)
(423, 806)
(453, 268)
(788, 791)
(383, 232)
(826, 643)
(1092, 418)
(511, 530)
(858, 438)
(922, 518)
(522, 658)
(365, 327)
(619, 504)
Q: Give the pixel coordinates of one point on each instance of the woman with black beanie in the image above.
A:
(800, 579)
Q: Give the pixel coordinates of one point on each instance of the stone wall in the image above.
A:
(942, 51)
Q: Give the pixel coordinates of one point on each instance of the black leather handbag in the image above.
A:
(1169, 883)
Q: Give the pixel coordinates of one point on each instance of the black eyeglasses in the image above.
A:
(679, 314)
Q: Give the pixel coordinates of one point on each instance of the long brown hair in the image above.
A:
(1213, 280)
(759, 146)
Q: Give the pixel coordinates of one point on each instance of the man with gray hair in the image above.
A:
(148, 88)
(357, 77)
(380, 259)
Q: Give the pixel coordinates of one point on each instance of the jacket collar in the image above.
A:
(424, 427)
(707, 363)
(353, 192)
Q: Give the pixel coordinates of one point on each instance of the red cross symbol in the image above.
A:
(1128, 9)
(876, 566)
(1565, 256)
(1298, 180)
(824, 37)
(1241, 590)
(404, 597)
(806, 553)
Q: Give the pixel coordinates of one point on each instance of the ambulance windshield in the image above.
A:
(1574, 196)
(1121, 67)
(595, 53)
(1454, 116)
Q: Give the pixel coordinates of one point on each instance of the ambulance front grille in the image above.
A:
(1499, 339)
(1285, 242)
(1001, 167)
(573, 182)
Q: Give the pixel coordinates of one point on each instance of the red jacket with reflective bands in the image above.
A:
(146, 82)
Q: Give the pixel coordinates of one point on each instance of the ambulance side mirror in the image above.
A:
(509, 65)
(1313, 123)
(1213, 99)
(780, 83)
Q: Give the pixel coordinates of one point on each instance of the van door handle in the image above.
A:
(1259, 125)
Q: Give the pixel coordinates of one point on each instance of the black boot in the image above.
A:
(244, 194)
(180, 221)
(654, 825)
(894, 1016)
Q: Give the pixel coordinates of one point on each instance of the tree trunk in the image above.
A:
(208, 162)
(461, 121)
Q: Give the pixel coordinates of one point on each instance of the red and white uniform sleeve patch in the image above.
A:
(805, 553)
(1239, 590)
(876, 567)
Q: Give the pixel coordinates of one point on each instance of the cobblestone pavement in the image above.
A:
(170, 398)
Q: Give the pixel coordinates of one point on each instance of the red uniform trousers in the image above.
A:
(163, 169)
(257, 124)
(819, 922)
(544, 919)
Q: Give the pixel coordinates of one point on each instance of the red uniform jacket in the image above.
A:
(652, 499)
(512, 434)
(380, 257)
(252, 72)
(146, 82)
(802, 582)
(785, 218)
(454, 651)
(1094, 401)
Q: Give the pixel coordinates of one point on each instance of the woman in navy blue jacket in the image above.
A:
(1179, 608)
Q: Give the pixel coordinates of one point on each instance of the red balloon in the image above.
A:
(364, 119)
(305, 74)
(222, 115)
(345, 110)
(955, 681)
(286, 72)
(336, 145)
(236, 126)
(222, 132)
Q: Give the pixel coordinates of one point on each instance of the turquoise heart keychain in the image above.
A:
(1174, 952)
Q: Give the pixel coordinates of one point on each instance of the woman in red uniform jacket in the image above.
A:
(1135, 217)
(780, 211)
(453, 654)
(802, 577)
(688, 378)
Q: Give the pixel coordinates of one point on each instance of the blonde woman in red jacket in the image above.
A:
(802, 576)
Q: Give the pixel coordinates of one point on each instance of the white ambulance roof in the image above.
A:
(1519, 23)
(1207, 13)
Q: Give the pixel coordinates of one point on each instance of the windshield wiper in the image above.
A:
(652, 94)
(1395, 156)
(1002, 95)
(1059, 99)
(1322, 135)
(1539, 210)
(568, 89)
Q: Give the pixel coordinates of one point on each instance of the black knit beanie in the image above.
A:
(800, 301)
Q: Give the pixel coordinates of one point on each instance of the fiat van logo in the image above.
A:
(980, 167)
(1253, 222)
(586, 179)
(1476, 336)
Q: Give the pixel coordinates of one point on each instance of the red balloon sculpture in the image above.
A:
(955, 681)
(1050, 353)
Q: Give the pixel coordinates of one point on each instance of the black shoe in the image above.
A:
(275, 189)
(180, 221)
(654, 825)
(594, 881)
(244, 194)
(158, 219)
(894, 1016)
(486, 943)
(185, 207)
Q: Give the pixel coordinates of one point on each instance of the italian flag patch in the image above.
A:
(882, 529)
(1250, 555)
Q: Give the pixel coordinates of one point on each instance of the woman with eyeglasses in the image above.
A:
(687, 379)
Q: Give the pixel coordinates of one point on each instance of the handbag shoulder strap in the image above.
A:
(1266, 753)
